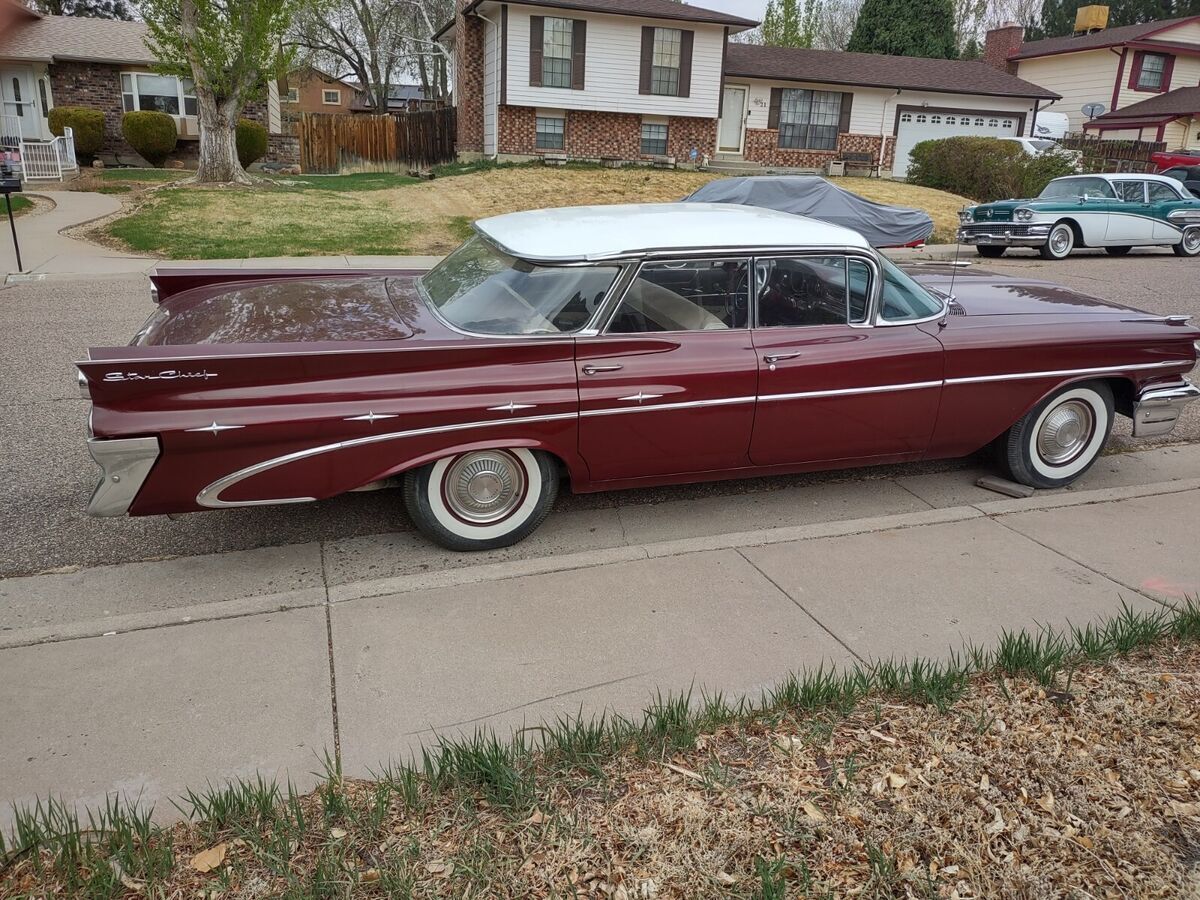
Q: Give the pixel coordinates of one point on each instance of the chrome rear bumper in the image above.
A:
(1157, 409)
(126, 462)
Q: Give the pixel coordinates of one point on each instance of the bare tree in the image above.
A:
(429, 59)
(835, 24)
(360, 38)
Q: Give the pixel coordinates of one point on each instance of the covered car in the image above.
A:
(811, 195)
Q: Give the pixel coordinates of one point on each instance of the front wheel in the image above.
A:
(990, 251)
(1060, 438)
(1189, 244)
(482, 500)
(1059, 243)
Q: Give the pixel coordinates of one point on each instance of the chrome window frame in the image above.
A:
(874, 292)
(637, 271)
(881, 322)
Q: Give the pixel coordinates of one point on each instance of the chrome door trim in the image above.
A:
(685, 404)
(1064, 373)
(841, 392)
(210, 496)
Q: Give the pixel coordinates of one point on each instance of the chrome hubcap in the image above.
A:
(1191, 240)
(1065, 432)
(484, 486)
(1060, 240)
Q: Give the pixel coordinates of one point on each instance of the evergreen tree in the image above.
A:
(1057, 18)
(87, 9)
(970, 50)
(905, 28)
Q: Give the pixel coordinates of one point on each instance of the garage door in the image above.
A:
(922, 125)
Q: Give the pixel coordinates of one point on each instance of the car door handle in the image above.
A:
(592, 370)
(773, 358)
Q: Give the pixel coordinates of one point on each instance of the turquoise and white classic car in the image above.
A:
(1113, 211)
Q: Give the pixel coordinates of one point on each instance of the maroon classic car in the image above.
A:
(612, 347)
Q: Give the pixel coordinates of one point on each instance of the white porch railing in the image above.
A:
(13, 130)
(42, 160)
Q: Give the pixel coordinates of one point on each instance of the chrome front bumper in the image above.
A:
(126, 462)
(1000, 235)
(1157, 409)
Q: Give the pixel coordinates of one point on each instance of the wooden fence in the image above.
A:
(363, 143)
(1104, 155)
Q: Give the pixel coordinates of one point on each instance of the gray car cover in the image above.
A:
(813, 196)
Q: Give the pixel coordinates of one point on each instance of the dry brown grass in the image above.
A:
(426, 218)
(1091, 790)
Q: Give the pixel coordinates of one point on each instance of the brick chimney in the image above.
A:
(468, 88)
(1000, 43)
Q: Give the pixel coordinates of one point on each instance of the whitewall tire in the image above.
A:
(1059, 243)
(483, 499)
(1059, 439)
(1189, 244)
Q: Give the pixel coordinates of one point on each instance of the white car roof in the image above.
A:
(575, 233)
(1123, 176)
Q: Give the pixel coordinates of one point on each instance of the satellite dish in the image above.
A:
(1091, 110)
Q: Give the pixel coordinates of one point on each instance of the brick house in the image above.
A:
(642, 79)
(48, 61)
(1144, 75)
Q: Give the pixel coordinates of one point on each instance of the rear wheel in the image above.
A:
(1117, 251)
(482, 500)
(1059, 243)
(1189, 245)
(1060, 438)
(989, 251)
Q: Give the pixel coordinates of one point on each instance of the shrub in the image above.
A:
(87, 125)
(984, 168)
(251, 142)
(152, 134)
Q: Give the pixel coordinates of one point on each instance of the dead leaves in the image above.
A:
(212, 858)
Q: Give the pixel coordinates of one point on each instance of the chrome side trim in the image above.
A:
(1062, 373)
(215, 428)
(511, 407)
(211, 496)
(370, 416)
(640, 396)
(1156, 410)
(125, 462)
(686, 404)
(840, 392)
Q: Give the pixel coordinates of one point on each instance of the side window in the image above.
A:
(812, 290)
(1161, 193)
(1131, 191)
(696, 295)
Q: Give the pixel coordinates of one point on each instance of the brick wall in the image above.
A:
(283, 149)
(999, 43)
(603, 135)
(762, 145)
(468, 90)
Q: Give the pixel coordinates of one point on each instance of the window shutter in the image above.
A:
(1168, 66)
(537, 36)
(686, 39)
(647, 59)
(776, 103)
(1136, 69)
(578, 52)
(844, 118)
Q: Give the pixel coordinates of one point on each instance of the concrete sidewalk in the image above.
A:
(46, 251)
(212, 667)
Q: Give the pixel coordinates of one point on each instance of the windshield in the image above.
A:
(478, 288)
(1041, 144)
(1074, 188)
(903, 298)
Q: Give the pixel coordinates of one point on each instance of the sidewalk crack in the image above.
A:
(800, 607)
(333, 701)
(909, 490)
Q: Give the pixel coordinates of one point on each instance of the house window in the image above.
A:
(979, 122)
(556, 52)
(921, 119)
(16, 93)
(1008, 123)
(331, 97)
(551, 132)
(654, 139)
(664, 67)
(42, 96)
(293, 95)
(935, 120)
(950, 120)
(808, 120)
(1150, 75)
(160, 93)
(906, 117)
(993, 123)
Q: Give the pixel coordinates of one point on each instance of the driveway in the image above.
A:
(49, 324)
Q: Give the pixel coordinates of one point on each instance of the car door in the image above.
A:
(1129, 217)
(668, 386)
(1163, 199)
(842, 376)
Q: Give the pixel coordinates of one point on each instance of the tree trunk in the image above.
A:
(218, 141)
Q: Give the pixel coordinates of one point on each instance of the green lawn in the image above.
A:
(19, 204)
(364, 181)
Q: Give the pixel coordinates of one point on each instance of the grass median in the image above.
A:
(389, 214)
(1054, 764)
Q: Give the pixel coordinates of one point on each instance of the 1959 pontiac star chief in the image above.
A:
(613, 346)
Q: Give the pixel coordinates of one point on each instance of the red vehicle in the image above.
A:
(1165, 159)
(610, 347)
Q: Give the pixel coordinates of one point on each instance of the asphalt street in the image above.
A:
(48, 475)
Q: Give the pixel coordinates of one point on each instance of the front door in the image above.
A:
(669, 386)
(733, 118)
(18, 110)
(832, 387)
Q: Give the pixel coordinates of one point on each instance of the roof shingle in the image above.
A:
(1097, 40)
(949, 76)
(54, 38)
(1184, 101)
